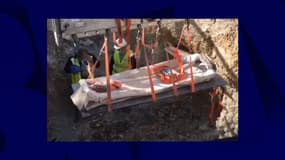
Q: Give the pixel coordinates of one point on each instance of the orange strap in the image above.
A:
(180, 38)
(189, 39)
(192, 82)
(137, 53)
(114, 37)
(116, 84)
(127, 36)
(150, 77)
(107, 75)
(177, 56)
(128, 39)
(118, 23)
(172, 79)
(93, 69)
(153, 47)
(179, 60)
(149, 46)
(149, 70)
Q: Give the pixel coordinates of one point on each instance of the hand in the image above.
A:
(75, 69)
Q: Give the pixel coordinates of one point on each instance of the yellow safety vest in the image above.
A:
(120, 65)
(75, 77)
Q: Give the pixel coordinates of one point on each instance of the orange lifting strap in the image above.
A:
(148, 70)
(128, 39)
(109, 101)
(137, 50)
(127, 36)
(192, 82)
(93, 67)
(119, 27)
(153, 95)
(179, 61)
(152, 46)
(137, 53)
(172, 78)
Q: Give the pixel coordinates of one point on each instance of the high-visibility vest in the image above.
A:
(75, 77)
(120, 65)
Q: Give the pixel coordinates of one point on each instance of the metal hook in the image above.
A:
(139, 26)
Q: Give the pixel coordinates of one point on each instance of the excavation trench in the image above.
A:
(184, 120)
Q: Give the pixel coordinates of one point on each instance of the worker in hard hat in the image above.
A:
(77, 66)
(119, 60)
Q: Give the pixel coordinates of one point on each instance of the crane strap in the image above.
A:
(172, 76)
(109, 100)
(153, 95)
(192, 81)
(127, 37)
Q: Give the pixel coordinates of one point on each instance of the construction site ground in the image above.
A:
(184, 120)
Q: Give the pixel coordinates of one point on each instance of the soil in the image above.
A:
(184, 120)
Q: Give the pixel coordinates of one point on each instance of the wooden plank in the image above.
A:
(165, 97)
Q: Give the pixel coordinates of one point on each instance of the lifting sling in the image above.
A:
(153, 95)
(192, 82)
(148, 69)
(137, 50)
(127, 36)
(93, 67)
(109, 102)
(152, 46)
(171, 76)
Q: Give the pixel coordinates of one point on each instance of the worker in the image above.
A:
(119, 60)
(77, 66)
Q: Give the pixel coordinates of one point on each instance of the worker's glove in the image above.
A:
(75, 69)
